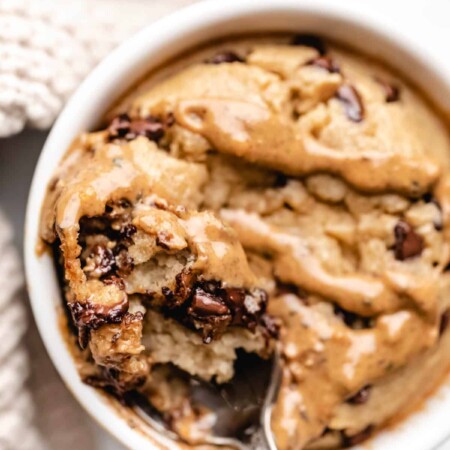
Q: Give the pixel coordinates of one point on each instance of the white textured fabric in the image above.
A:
(17, 431)
(48, 46)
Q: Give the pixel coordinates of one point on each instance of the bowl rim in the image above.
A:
(93, 96)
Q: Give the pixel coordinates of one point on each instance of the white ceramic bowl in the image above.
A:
(150, 47)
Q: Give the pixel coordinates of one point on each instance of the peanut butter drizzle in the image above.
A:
(239, 121)
(117, 172)
(257, 135)
(326, 360)
(293, 263)
(109, 175)
(219, 254)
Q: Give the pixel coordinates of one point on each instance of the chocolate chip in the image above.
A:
(361, 396)
(91, 316)
(352, 101)
(103, 260)
(118, 209)
(438, 225)
(150, 127)
(127, 231)
(119, 126)
(391, 91)
(178, 297)
(209, 306)
(132, 318)
(281, 180)
(184, 283)
(310, 40)
(350, 441)
(209, 310)
(117, 281)
(123, 127)
(408, 243)
(123, 262)
(246, 306)
(271, 326)
(204, 304)
(224, 57)
(326, 63)
(428, 197)
(445, 321)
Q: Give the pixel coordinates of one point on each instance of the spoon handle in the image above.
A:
(271, 396)
(262, 438)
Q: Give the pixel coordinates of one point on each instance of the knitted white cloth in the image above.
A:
(46, 49)
(16, 408)
(48, 46)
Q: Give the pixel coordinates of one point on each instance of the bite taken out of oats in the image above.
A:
(148, 278)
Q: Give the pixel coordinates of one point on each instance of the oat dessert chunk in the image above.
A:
(260, 192)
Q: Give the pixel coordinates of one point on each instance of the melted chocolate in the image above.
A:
(204, 304)
(211, 307)
(224, 57)
(326, 63)
(361, 396)
(352, 101)
(408, 243)
(91, 316)
(123, 127)
(127, 231)
(123, 261)
(103, 260)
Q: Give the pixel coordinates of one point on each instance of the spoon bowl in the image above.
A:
(242, 407)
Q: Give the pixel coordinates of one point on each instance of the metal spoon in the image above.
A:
(229, 403)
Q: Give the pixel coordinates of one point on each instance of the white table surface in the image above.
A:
(18, 155)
